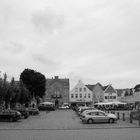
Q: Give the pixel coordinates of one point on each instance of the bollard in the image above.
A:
(123, 116)
(118, 115)
(131, 118)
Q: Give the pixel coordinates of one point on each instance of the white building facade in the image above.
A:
(110, 94)
(81, 94)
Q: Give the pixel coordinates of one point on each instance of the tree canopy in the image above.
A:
(34, 81)
(137, 88)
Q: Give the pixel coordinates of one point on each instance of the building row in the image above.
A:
(91, 94)
(58, 91)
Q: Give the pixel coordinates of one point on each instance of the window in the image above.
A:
(89, 95)
(80, 89)
(85, 96)
(76, 95)
(114, 97)
(93, 113)
(76, 89)
(80, 95)
(111, 97)
(84, 89)
(101, 114)
(71, 95)
(106, 97)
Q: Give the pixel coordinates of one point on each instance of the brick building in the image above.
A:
(57, 90)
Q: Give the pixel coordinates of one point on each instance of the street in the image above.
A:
(65, 124)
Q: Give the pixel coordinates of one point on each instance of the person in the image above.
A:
(56, 103)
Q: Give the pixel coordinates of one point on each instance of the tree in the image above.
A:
(34, 81)
(24, 96)
(10, 91)
(137, 88)
(15, 92)
(1, 91)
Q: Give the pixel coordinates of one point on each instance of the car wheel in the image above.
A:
(90, 121)
(111, 120)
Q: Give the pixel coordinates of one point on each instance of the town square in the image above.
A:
(69, 70)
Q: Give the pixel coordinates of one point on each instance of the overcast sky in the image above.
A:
(89, 40)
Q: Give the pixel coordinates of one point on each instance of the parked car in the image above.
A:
(33, 111)
(64, 106)
(87, 108)
(98, 116)
(86, 111)
(47, 106)
(11, 115)
(80, 108)
(24, 111)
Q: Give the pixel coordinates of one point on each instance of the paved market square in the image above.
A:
(62, 120)
(66, 125)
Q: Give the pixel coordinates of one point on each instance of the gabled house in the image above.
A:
(110, 94)
(80, 94)
(97, 91)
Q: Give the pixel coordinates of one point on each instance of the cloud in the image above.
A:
(47, 64)
(47, 21)
(42, 59)
(14, 47)
(94, 40)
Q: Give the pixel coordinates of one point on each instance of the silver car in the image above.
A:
(98, 116)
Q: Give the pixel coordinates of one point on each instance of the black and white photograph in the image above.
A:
(69, 70)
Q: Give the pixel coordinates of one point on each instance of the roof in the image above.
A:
(63, 81)
(90, 87)
(109, 89)
(104, 87)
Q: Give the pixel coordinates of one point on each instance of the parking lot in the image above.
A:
(61, 120)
